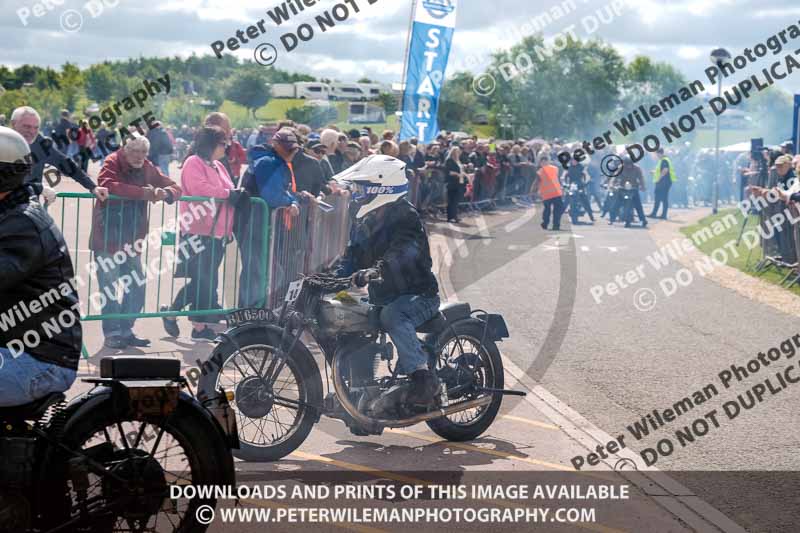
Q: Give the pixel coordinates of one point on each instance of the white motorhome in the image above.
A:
(374, 90)
(352, 92)
(364, 113)
(313, 91)
(284, 90)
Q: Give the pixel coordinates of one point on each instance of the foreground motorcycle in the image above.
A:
(277, 386)
(576, 197)
(105, 462)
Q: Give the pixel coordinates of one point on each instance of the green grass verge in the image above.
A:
(773, 275)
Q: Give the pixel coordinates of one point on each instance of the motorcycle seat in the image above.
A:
(33, 410)
(434, 324)
(139, 367)
(448, 312)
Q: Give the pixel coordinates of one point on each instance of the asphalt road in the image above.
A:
(609, 362)
(617, 363)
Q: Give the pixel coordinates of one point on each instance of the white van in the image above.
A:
(374, 90)
(313, 90)
(352, 92)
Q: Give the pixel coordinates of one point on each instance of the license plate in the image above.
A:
(294, 291)
(243, 316)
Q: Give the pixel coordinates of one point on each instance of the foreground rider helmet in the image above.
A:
(374, 182)
(15, 159)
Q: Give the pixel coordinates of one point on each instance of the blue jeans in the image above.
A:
(400, 320)
(24, 379)
(132, 300)
(163, 164)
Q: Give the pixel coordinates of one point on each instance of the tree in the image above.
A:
(100, 83)
(772, 111)
(389, 103)
(71, 83)
(301, 115)
(558, 93)
(250, 90)
(646, 82)
(365, 80)
(457, 103)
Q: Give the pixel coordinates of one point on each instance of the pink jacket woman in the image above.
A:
(201, 178)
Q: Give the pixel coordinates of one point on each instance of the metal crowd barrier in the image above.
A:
(160, 254)
(304, 244)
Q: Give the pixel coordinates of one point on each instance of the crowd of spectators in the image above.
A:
(291, 165)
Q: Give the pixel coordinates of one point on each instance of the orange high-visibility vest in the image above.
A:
(549, 186)
(287, 217)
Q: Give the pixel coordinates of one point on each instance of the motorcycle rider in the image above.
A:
(389, 242)
(632, 181)
(576, 174)
(35, 272)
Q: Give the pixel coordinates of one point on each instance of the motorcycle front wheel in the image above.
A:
(467, 362)
(272, 423)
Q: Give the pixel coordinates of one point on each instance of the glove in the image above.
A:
(362, 277)
(237, 197)
(49, 195)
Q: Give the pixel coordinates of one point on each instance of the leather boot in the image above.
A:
(424, 387)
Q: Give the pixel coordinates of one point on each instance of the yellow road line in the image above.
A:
(471, 448)
(530, 422)
(599, 474)
(361, 468)
(408, 479)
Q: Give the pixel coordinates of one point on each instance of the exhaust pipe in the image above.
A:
(447, 411)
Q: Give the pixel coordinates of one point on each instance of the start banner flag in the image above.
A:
(429, 49)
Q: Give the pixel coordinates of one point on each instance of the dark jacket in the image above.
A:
(45, 151)
(159, 144)
(308, 174)
(395, 241)
(35, 282)
(116, 223)
(337, 160)
(268, 177)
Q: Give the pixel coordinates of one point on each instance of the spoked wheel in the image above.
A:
(272, 420)
(142, 460)
(467, 366)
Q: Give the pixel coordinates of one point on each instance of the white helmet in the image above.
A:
(15, 159)
(375, 181)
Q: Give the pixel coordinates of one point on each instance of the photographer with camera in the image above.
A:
(35, 268)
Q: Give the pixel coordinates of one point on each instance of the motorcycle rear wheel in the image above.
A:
(138, 455)
(488, 369)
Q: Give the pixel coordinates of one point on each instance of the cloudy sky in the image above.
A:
(372, 43)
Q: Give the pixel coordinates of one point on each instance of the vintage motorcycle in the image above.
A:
(278, 392)
(106, 461)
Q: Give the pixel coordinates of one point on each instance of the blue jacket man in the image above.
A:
(270, 177)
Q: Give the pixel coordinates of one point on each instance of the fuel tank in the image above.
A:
(346, 312)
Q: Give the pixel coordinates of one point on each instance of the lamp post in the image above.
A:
(719, 57)
(506, 121)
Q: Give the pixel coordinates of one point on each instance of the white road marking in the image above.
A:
(675, 498)
(521, 221)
